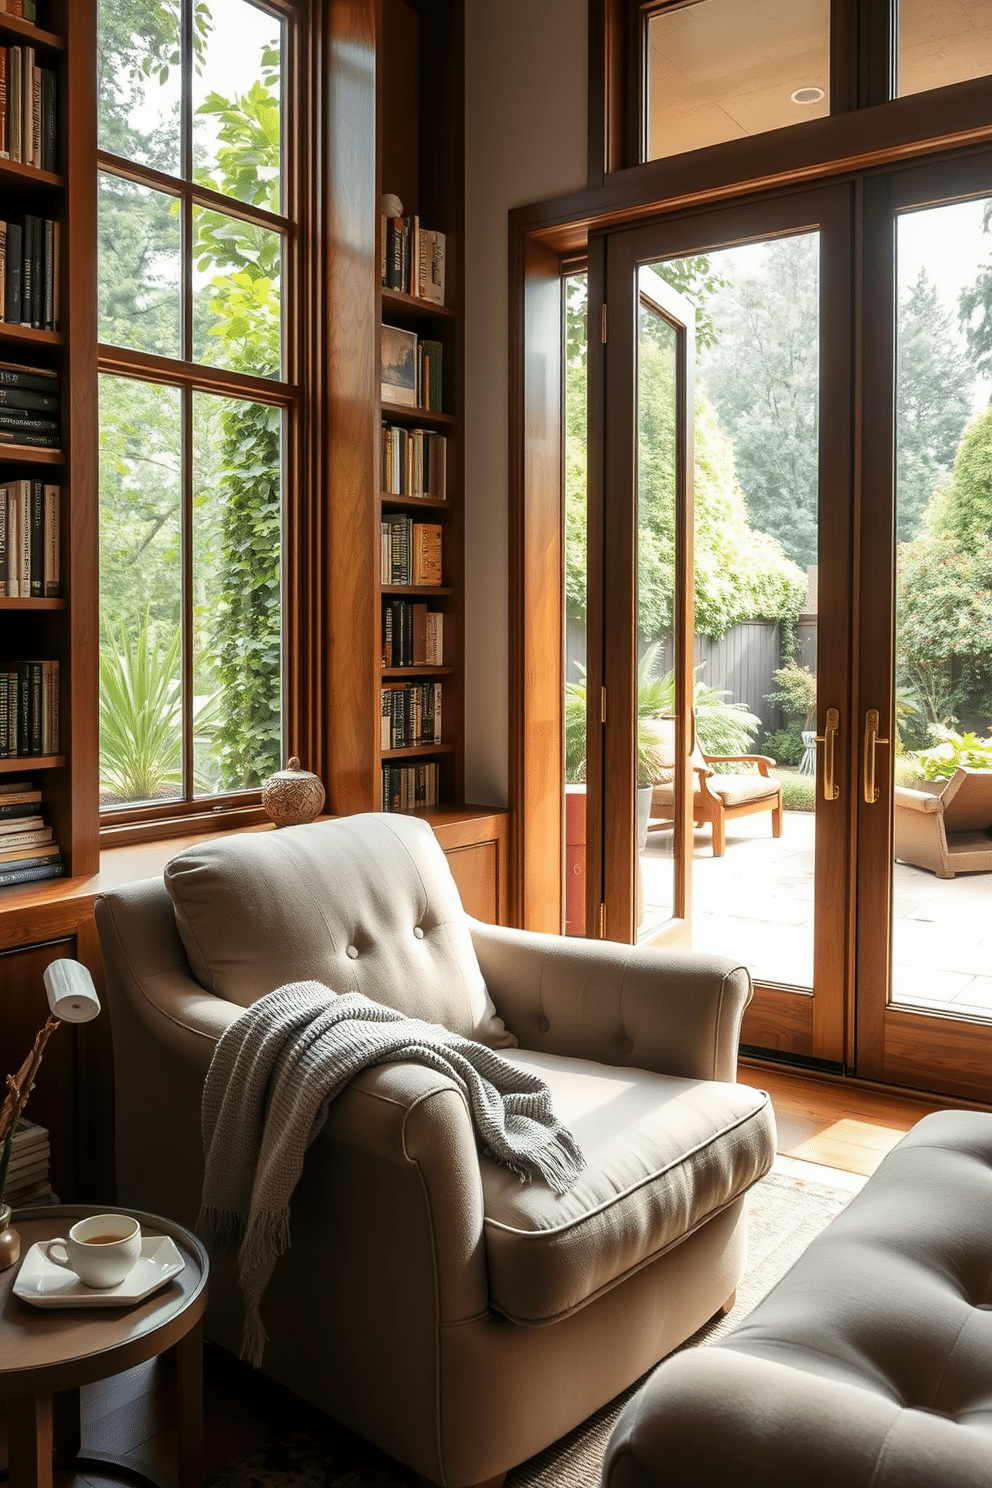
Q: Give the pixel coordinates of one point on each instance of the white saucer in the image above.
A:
(44, 1284)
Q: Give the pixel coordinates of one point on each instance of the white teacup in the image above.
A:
(102, 1249)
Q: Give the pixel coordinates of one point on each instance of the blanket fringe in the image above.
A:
(220, 1229)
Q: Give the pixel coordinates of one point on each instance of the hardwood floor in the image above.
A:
(831, 1123)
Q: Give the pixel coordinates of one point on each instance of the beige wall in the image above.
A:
(526, 139)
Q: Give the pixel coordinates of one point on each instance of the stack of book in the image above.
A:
(412, 635)
(411, 715)
(406, 787)
(29, 272)
(27, 1176)
(29, 709)
(412, 258)
(28, 118)
(411, 551)
(27, 849)
(30, 516)
(414, 462)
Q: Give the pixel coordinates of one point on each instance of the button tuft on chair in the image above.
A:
(544, 1025)
(418, 931)
(627, 1046)
(352, 953)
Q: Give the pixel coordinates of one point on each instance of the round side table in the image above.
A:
(46, 1354)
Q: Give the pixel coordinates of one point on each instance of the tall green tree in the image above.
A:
(762, 376)
(933, 401)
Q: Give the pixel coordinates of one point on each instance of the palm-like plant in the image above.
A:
(721, 727)
(141, 712)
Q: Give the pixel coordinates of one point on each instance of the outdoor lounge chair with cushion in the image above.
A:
(945, 825)
(718, 797)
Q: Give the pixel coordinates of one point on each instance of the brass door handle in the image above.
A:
(831, 790)
(872, 738)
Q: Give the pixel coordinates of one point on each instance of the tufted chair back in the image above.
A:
(363, 904)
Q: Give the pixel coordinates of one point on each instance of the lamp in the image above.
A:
(72, 998)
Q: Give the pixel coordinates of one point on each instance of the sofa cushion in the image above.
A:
(363, 904)
(663, 1155)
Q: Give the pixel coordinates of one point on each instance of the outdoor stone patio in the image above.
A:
(756, 903)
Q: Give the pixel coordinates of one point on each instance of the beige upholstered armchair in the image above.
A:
(457, 1317)
(717, 797)
(946, 825)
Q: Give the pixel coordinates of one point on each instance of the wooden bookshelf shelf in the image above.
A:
(31, 604)
(26, 764)
(402, 412)
(14, 26)
(422, 591)
(389, 498)
(395, 299)
(399, 674)
(418, 751)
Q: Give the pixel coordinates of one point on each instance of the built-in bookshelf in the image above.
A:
(48, 422)
(420, 468)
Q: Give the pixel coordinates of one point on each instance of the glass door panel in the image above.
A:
(924, 977)
(738, 714)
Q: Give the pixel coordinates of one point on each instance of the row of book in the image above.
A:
(28, 109)
(28, 850)
(29, 277)
(411, 369)
(30, 561)
(29, 709)
(407, 787)
(27, 1175)
(411, 715)
(412, 635)
(414, 462)
(410, 551)
(412, 258)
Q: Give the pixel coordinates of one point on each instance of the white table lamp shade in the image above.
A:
(71, 993)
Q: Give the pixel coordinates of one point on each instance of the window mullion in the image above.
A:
(187, 595)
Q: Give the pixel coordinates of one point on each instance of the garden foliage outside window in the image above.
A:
(195, 403)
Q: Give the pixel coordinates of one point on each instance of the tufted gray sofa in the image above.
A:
(458, 1318)
(870, 1363)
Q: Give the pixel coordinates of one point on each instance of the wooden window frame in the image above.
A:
(147, 821)
(542, 236)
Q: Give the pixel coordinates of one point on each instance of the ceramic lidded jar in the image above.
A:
(10, 1240)
(292, 796)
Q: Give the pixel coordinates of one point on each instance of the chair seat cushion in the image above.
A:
(363, 904)
(735, 790)
(663, 1155)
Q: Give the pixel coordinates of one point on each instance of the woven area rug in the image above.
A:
(787, 1209)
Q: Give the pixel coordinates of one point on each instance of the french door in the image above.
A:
(822, 914)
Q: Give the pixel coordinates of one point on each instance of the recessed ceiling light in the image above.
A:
(808, 95)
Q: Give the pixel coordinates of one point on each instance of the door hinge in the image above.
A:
(602, 705)
(602, 922)
(602, 324)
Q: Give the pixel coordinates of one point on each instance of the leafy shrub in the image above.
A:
(796, 697)
(940, 762)
(784, 745)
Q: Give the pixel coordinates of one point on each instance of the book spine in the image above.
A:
(52, 578)
(37, 569)
(49, 121)
(12, 810)
(5, 749)
(27, 104)
(27, 267)
(12, 375)
(27, 398)
(4, 132)
(13, 546)
(12, 300)
(15, 112)
(24, 537)
(3, 541)
(36, 117)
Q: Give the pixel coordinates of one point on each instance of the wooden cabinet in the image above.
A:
(63, 628)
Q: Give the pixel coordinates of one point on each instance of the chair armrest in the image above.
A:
(914, 800)
(675, 1012)
(763, 761)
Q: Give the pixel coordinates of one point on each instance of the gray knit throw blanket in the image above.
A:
(274, 1073)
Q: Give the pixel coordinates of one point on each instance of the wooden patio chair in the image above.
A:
(945, 826)
(717, 797)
